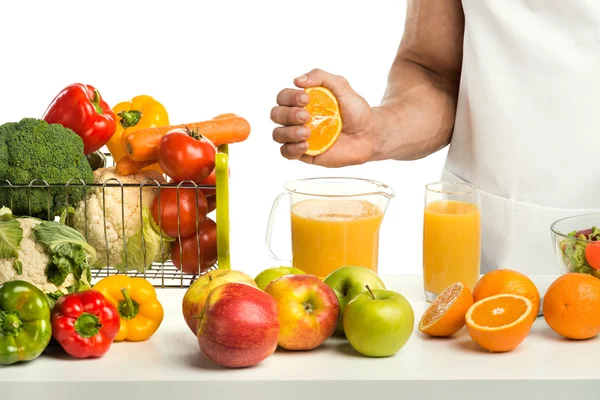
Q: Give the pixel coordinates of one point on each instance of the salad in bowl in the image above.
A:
(577, 244)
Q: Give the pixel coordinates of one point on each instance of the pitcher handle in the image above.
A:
(270, 225)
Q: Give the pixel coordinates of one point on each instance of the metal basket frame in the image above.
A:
(162, 274)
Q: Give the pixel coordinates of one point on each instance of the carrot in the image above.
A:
(222, 116)
(143, 145)
(225, 130)
(126, 166)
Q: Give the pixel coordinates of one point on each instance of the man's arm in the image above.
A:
(416, 116)
(417, 113)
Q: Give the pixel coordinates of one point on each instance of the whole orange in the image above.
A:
(507, 281)
(572, 306)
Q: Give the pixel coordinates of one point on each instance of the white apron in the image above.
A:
(527, 127)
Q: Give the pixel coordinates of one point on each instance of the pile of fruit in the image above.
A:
(504, 304)
(240, 321)
(84, 324)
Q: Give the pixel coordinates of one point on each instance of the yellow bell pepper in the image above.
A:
(141, 112)
(140, 311)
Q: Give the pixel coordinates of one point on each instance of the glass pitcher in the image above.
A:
(334, 222)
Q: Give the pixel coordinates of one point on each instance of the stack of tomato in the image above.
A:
(188, 158)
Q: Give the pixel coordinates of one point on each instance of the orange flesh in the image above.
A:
(321, 103)
(499, 312)
(325, 124)
(441, 304)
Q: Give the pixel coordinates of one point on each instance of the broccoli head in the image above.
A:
(33, 150)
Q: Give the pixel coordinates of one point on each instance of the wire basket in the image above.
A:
(162, 273)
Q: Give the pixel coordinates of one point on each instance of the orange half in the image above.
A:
(446, 314)
(325, 123)
(500, 323)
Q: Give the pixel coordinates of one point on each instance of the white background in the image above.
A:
(203, 58)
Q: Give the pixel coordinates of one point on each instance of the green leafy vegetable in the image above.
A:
(69, 252)
(18, 266)
(11, 235)
(140, 255)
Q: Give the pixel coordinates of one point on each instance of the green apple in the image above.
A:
(378, 322)
(268, 275)
(347, 282)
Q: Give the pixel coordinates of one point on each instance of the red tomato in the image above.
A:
(186, 155)
(209, 180)
(211, 203)
(208, 250)
(592, 254)
(187, 210)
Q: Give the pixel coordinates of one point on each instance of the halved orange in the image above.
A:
(506, 281)
(500, 323)
(325, 123)
(446, 314)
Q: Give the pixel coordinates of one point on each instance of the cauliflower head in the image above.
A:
(116, 216)
(49, 255)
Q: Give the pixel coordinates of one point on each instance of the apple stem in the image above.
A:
(370, 291)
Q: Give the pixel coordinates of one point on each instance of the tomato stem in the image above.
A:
(193, 132)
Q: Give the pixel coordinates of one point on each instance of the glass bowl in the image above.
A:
(571, 237)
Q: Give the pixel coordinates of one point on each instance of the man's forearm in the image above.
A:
(416, 117)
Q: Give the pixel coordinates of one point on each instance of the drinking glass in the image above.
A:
(451, 236)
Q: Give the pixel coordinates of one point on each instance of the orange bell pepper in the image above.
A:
(141, 112)
(139, 310)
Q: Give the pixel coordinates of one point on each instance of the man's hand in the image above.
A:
(357, 142)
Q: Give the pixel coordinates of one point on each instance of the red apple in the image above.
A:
(240, 326)
(195, 297)
(308, 311)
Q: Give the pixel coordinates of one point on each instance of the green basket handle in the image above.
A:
(222, 193)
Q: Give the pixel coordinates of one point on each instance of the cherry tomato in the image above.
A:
(185, 155)
(211, 203)
(208, 249)
(187, 210)
(592, 254)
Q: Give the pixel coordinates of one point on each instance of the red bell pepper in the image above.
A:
(80, 108)
(85, 324)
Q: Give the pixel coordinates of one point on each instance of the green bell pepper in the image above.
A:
(25, 326)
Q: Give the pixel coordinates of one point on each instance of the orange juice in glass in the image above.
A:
(334, 222)
(451, 236)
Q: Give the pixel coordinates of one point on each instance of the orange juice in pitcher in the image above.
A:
(328, 234)
(334, 222)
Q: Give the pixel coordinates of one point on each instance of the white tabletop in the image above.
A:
(170, 364)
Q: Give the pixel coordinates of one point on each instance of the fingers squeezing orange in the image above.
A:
(325, 123)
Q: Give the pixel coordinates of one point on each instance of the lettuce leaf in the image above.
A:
(138, 255)
(11, 235)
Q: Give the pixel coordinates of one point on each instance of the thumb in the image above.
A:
(338, 85)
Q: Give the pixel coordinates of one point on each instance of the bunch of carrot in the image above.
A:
(142, 145)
